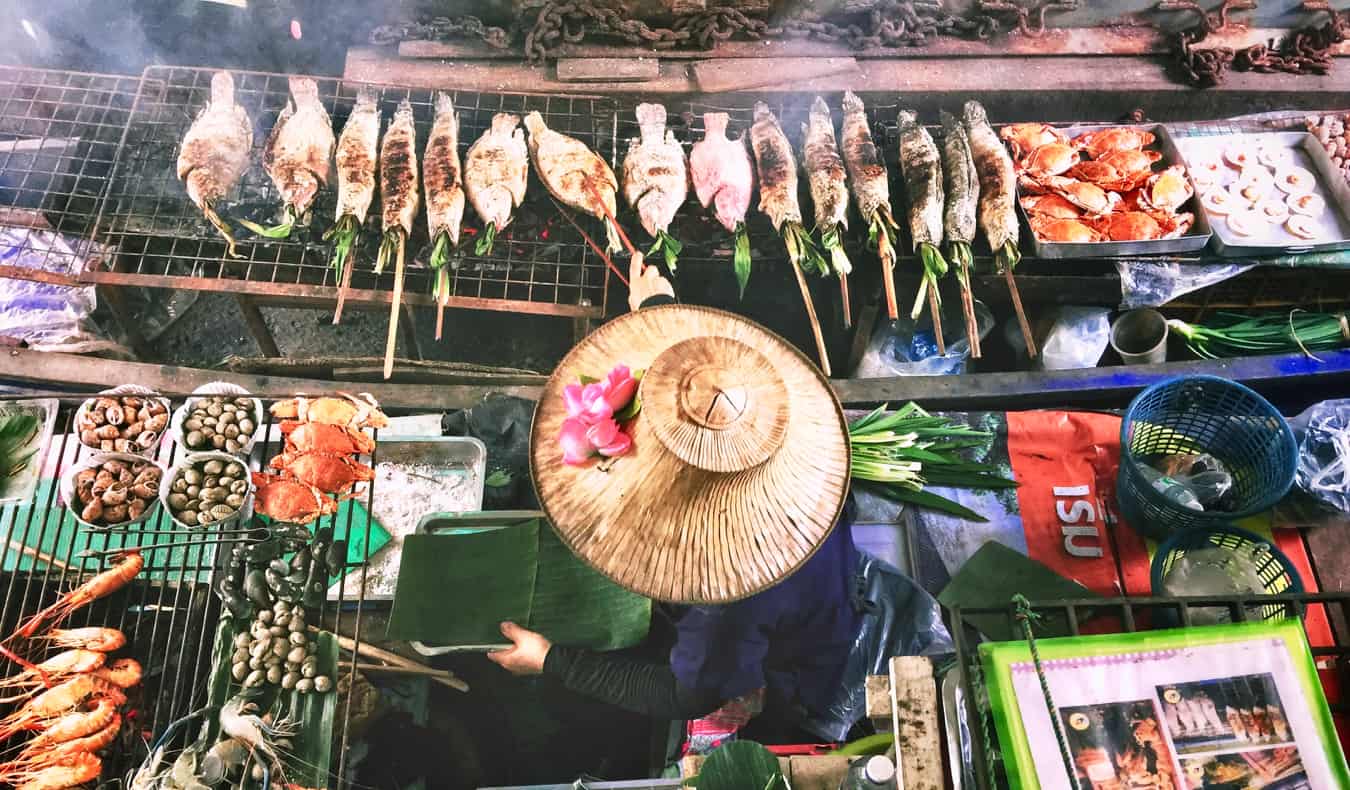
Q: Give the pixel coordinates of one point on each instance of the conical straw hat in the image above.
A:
(739, 463)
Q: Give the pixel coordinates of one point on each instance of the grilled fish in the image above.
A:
(963, 182)
(297, 154)
(442, 179)
(998, 182)
(722, 173)
(574, 174)
(655, 182)
(829, 189)
(215, 152)
(777, 169)
(357, 148)
(398, 181)
(723, 178)
(866, 167)
(496, 170)
(921, 166)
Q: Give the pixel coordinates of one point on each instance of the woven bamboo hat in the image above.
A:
(739, 463)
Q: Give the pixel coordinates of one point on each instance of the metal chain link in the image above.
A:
(1305, 51)
(548, 24)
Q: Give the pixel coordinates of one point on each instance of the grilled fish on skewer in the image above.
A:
(574, 174)
(215, 152)
(444, 186)
(723, 178)
(921, 166)
(357, 149)
(654, 179)
(496, 169)
(871, 190)
(398, 201)
(997, 212)
(959, 223)
(829, 191)
(778, 200)
(297, 155)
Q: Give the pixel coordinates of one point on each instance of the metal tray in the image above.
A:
(1194, 241)
(461, 454)
(1308, 153)
(21, 487)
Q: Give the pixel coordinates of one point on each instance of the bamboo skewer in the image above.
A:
(440, 302)
(972, 321)
(843, 293)
(370, 651)
(342, 290)
(936, 311)
(391, 669)
(392, 340)
(604, 256)
(23, 548)
(1021, 313)
(815, 322)
(888, 283)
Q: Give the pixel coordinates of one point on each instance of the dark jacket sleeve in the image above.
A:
(658, 299)
(648, 689)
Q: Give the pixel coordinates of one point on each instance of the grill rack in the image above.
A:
(539, 264)
(59, 132)
(1129, 614)
(168, 612)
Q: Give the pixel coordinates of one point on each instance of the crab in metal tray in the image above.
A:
(1120, 138)
(1051, 159)
(331, 473)
(1052, 206)
(1027, 137)
(347, 410)
(290, 501)
(1166, 191)
(310, 437)
(1143, 225)
(1091, 198)
(1072, 231)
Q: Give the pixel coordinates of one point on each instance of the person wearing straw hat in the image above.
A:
(722, 491)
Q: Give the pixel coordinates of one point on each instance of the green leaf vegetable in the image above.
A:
(801, 250)
(389, 245)
(276, 231)
(896, 455)
(1234, 335)
(440, 256)
(934, 268)
(881, 231)
(739, 765)
(741, 260)
(832, 241)
(343, 235)
(485, 240)
(16, 431)
(669, 247)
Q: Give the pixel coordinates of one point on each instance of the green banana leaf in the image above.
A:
(455, 589)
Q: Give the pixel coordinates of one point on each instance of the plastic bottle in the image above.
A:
(869, 773)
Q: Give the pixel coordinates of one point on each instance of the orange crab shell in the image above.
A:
(1129, 161)
(1050, 159)
(324, 438)
(1063, 230)
(1120, 138)
(1052, 206)
(348, 410)
(1089, 197)
(1027, 137)
(288, 500)
(1166, 191)
(331, 473)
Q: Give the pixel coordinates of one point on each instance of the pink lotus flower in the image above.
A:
(590, 427)
(576, 447)
(587, 402)
(608, 438)
(620, 387)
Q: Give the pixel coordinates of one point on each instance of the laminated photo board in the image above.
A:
(1228, 706)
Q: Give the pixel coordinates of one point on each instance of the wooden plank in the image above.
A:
(1115, 40)
(734, 74)
(914, 695)
(878, 695)
(75, 373)
(635, 69)
(817, 771)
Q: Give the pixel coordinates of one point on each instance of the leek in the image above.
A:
(1233, 335)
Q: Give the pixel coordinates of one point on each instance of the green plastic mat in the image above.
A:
(455, 589)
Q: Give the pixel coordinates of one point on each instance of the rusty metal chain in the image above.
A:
(1305, 51)
(546, 25)
(1023, 13)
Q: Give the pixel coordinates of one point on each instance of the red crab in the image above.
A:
(290, 501)
(1120, 138)
(308, 437)
(1143, 226)
(331, 473)
(1027, 137)
(348, 410)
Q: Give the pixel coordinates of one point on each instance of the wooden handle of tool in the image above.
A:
(370, 651)
(815, 321)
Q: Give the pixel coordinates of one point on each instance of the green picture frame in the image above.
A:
(1000, 661)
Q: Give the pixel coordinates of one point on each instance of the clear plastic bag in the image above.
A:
(1077, 338)
(908, 348)
(45, 316)
(1323, 435)
(1153, 283)
(900, 619)
(1197, 481)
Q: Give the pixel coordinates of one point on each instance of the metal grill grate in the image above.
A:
(540, 264)
(1124, 615)
(58, 137)
(168, 612)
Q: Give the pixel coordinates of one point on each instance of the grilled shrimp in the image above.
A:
(58, 667)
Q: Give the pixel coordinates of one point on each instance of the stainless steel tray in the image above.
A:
(1193, 241)
(1334, 224)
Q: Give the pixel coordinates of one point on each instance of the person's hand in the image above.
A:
(526, 655)
(645, 282)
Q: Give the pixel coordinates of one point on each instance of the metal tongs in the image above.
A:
(259, 533)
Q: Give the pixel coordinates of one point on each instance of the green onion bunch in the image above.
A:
(896, 455)
(1236, 335)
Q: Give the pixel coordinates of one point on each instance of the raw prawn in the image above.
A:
(122, 673)
(102, 640)
(39, 712)
(61, 665)
(239, 719)
(76, 725)
(69, 771)
(105, 583)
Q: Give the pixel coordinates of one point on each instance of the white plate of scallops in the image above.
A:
(1269, 194)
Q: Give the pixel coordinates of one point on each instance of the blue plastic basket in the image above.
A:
(1203, 414)
(1277, 573)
